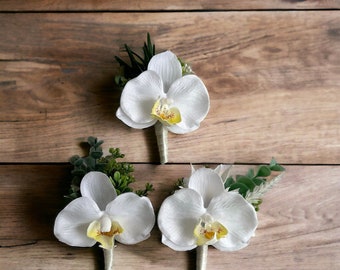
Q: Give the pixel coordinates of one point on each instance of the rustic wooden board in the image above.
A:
(52, 5)
(273, 78)
(299, 223)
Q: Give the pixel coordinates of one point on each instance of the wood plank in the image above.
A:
(273, 78)
(88, 5)
(299, 223)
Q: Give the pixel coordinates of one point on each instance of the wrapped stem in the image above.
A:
(162, 141)
(108, 258)
(201, 257)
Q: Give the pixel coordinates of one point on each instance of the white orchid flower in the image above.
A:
(102, 216)
(161, 96)
(206, 214)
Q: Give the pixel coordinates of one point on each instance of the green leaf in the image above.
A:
(230, 180)
(253, 186)
(145, 192)
(79, 172)
(263, 171)
(122, 62)
(274, 166)
(257, 204)
(74, 159)
(242, 188)
(92, 140)
(137, 64)
(120, 80)
(90, 162)
(78, 162)
(277, 168)
(258, 181)
(119, 173)
(116, 175)
(96, 154)
(250, 173)
(98, 144)
(246, 181)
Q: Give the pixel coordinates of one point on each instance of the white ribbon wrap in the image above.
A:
(201, 257)
(108, 258)
(162, 141)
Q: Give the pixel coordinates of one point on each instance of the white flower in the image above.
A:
(102, 216)
(162, 94)
(206, 214)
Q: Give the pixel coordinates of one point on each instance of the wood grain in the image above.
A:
(299, 223)
(272, 70)
(88, 5)
(273, 79)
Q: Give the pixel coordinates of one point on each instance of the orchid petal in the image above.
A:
(167, 66)
(192, 169)
(72, 222)
(183, 128)
(186, 179)
(230, 243)
(207, 183)
(139, 95)
(97, 186)
(177, 247)
(223, 171)
(135, 215)
(127, 120)
(237, 215)
(191, 97)
(178, 217)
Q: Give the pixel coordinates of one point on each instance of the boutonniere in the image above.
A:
(213, 208)
(104, 209)
(165, 93)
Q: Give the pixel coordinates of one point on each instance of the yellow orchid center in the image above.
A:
(163, 112)
(208, 231)
(104, 231)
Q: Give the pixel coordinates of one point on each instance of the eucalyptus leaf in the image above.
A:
(250, 173)
(258, 181)
(120, 173)
(242, 188)
(277, 168)
(96, 154)
(274, 166)
(230, 180)
(263, 171)
(246, 181)
(253, 186)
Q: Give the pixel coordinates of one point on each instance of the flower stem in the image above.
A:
(162, 141)
(108, 258)
(201, 257)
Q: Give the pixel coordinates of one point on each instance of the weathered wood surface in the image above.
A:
(89, 5)
(299, 223)
(273, 78)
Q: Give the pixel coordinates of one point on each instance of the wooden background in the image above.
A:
(272, 69)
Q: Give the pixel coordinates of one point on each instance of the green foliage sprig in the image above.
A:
(137, 64)
(254, 185)
(251, 186)
(120, 173)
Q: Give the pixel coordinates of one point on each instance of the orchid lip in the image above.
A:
(104, 230)
(163, 112)
(209, 231)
